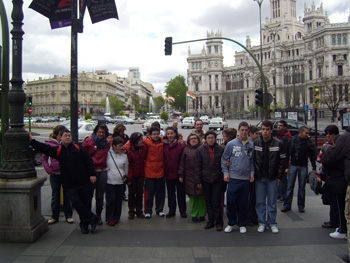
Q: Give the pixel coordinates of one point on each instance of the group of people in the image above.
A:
(254, 171)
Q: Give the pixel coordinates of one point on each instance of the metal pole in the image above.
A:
(74, 74)
(17, 162)
(5, 77)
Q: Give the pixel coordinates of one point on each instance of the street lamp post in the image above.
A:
(265, 106)
(273, 32)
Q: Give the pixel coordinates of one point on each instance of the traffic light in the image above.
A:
(316, 97)
(259, 97)
(168, 46)
(30, 101)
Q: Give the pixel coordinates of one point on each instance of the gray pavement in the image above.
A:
(301, 239)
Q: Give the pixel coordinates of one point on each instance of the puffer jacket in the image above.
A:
(277, 158)
(137, 160)
(154, 166)
(187, 171)
(205, 170)
(172, 158)
(340, 151)
(99, 156)
(54, 165)
(334, 171)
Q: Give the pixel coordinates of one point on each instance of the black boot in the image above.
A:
(98, 213)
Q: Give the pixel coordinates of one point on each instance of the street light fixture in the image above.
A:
(273, 31)
(261, 57)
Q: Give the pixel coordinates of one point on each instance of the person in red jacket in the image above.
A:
(137, 158)
(52, 167)
(154, 173)
(172, 158)
(97, 147)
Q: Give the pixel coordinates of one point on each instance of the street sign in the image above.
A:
(79, 112)
(30, 110)
(306, 108)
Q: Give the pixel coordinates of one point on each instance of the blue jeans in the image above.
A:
(301, 171)
(237, 200)
(55, 181)
(266, 200)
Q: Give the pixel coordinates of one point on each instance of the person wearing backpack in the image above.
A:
(78, 176)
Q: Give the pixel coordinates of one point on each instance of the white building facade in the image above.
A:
(297, 54)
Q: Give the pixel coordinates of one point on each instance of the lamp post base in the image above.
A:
(20, 218)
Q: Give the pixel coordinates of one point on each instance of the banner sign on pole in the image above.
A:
(102, 10)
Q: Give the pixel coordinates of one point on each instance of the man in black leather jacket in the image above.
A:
(269, 161)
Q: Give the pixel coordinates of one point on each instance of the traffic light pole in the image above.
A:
(263, 79)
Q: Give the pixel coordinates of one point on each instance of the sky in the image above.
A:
(137, 38)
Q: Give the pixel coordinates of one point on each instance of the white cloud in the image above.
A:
(137, 39)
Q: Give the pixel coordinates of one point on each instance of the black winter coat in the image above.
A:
(205, 171)
(76, 165)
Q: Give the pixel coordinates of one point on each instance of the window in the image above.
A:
(216, 86)
(217, 101)
(216, 49)
(63, 87)
(310, 75)
(196, 85)
(63, 98)
(339, 39)
(344, 38)
(340, 70)
(210, 102)
(346, 92)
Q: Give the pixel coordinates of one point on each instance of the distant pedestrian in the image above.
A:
(118, 167)
(198, 129)
(209, 177)
(98, 146)
(187, 176)
(52, 167)
(78, 176)
(300, 148)
(269, 161)
(119, 130)
(253, 133)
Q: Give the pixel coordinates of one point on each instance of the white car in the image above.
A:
(218, 123)
(123, 120)
(85, 129)
(163, 125)
(188, 122)
(205, 119)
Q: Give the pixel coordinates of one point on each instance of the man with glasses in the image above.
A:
(238, 175)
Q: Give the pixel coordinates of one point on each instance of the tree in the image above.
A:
(158, 102)
(186, 114)
(164, 116)
(332, 98)
(177, 88)
(223, 104)
(87, 116)
(115, 103)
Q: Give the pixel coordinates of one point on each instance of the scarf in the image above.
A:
(101, 144)
(211, 154)
(284, 132)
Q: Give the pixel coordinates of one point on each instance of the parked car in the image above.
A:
(85, 129)
(205, 119)
(123, 119)
(218, 123)
(103, 119)
(293, 126)
(163, 125)
(188, 122)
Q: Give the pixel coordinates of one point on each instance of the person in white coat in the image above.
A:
(117, 175)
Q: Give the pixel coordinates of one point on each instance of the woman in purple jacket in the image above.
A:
(52, 167)
(172, 157)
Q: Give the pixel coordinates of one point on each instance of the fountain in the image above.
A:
(151, 105)
(108, 108)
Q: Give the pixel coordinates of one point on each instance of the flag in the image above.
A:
(90, 101)
(191, 96)
(166, 98)
(85, 100)
(171, 99)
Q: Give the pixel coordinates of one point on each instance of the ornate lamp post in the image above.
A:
(20, 198)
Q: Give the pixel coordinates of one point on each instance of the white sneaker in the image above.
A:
(70, 220)
(261, 229)
(242, 230)
(161, 214)
(148, 216)
(337, 235)
(274, 229)
(228, 229)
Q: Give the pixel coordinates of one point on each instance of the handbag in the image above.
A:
(124, 177)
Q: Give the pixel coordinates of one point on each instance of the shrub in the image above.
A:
(164, 116)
